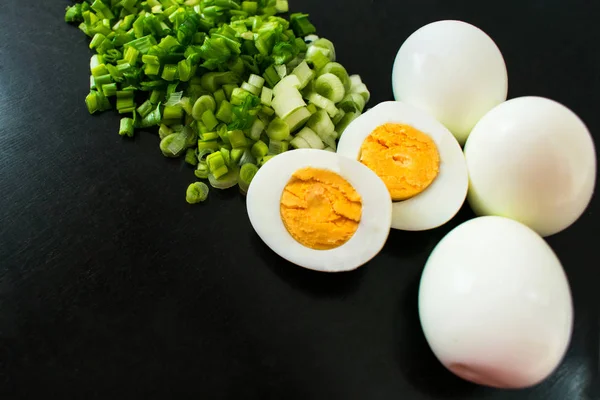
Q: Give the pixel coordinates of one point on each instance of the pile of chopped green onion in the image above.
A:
(228, 82)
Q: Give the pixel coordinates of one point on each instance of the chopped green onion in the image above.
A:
(297, 119)
(278, 146)
(242, 68)
(264, 160)
(345, 121)
(250, 88)
(197, 192)
(212, 144)
(282, 6)
(323, 103)
(184, 70)
(238, 96)
(145, 108)
(281, 70)
(330, 86)
(257, 129)
(173, 112)
(271, 76)
(250, 7)
(102, 9)
(125, 100)
(172, 145)
(321, 123)
(219, 96)
(257, 81)
(190, 157)
(247, 172)
(225, 153)
(237, 139)
(228, 89)
(287, 102)
(286, 84)
(153, 118)
(169, 72)
(207, 136)
(337, 117)
(156, 96)
(304, 74)
(236, 154)
(317, 56)
(96, 101)
(266, 96)
(353, 102)
(126, 127)
(299, 143)
(338, 70)
(301, 25)
(164, 131)
(216, 164)
(260, 149)
(225, 112)
(313, 140)
(209, 119)
(225, 181)
(203, 103)
(278, 130)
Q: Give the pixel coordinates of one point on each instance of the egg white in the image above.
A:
(452, 70)
(440, 202)
(264, 198)
(495, 300)
(533, 160)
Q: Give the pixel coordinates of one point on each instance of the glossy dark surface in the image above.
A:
(111, 285)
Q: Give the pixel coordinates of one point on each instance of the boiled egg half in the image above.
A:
(320, 210)
(418, 159)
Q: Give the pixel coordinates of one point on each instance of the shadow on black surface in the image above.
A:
(417, 362)
(318, 284)
(404, 244)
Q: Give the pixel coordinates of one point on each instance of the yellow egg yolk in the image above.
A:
(320, 209)
(406, 159)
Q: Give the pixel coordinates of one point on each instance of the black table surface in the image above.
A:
(112, 285)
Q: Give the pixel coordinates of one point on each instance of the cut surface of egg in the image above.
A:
(452, 70)
(320, 210)
(495, 304)
(419, 160)
(533, 160)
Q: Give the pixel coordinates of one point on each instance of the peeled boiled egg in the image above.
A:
(454, 71)
(320, 210)
(495, 304)
(418, 159)
(533, 160)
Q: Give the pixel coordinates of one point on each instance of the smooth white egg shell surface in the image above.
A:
(440, 202)
(495, 304)
(454, 71)
(264, 199)
(533, 160)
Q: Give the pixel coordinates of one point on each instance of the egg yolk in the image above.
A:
(320, 209)
(406, 159)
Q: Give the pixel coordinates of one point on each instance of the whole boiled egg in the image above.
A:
(418, 159)
(320, 210)
(495, 304)
(533, 160)
(454, 71)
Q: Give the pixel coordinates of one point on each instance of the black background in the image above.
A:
(111, 285)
